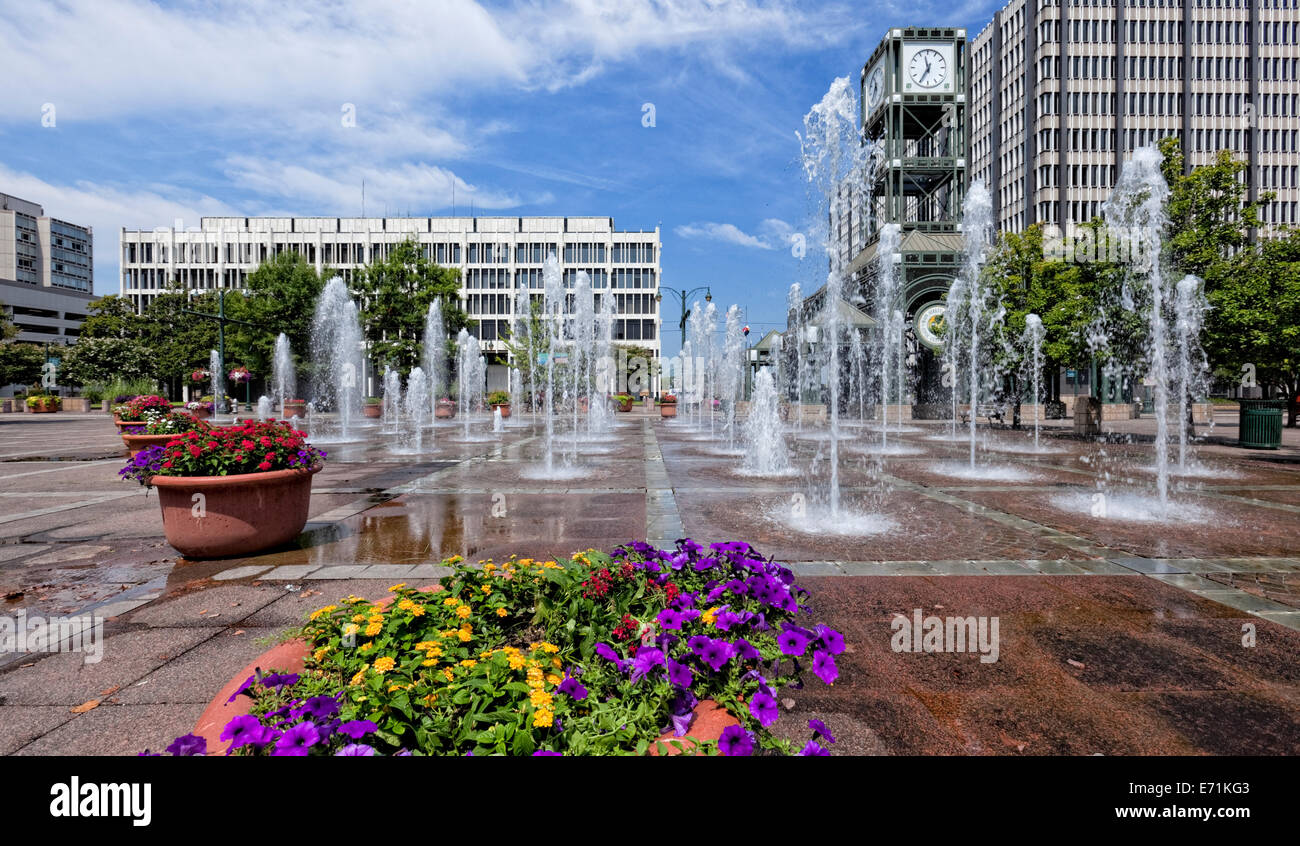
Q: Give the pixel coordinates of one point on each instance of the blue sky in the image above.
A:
(181, 109)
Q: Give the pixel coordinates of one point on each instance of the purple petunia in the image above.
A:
(297, 741)
(190, 744)
(746, 650)
(736, 741)
(824, 667)
(604, 650)
(792, 642)
(670, 619)
(280, 680)
(243, 688)
(831, 639)
(813, 748)
(697, 644)
(819, 729)
(647, 658)
(356, 750)
(357, 729)
(680, 674)
(246, 731)
(572, 687)
(762, 707)
(717, 653)
(321, 707)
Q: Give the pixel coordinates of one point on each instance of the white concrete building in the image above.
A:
(46, 272)
(1062, 92)
(496, 256)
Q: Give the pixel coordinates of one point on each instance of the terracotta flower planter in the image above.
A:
(295, 408)
(444, 409)
(668, 409)
(505, 409)
(226, 516)
(623, 405)
(45, 407)
(372, 409)
(711, 719)
(138, 443)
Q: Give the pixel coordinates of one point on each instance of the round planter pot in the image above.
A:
(444, 410)
(199, 413)
(236, 515)
(295, 408)
(138, 443)
(372, 410)
(668, 409)
(624, 406)
(505, 410)
(43, 408)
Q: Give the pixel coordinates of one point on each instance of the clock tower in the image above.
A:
(915, 89)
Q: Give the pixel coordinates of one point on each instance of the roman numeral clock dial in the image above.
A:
(928, 68)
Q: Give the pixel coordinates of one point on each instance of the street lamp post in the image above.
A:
(685, 295)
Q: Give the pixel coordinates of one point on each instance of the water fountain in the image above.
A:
(977, 228)
(392, 414)
(732, 370)
(888, 331)
(417, 412)
(600, 416)
(1189, 314)
(284, 377)
(953, 327)
(433, 359)
(765, 450)
(337, 352)
(582, 333)
(471, 371)
(833, 154)
(265, 408)
(1033, 337)
(217, 369)
(794, 305)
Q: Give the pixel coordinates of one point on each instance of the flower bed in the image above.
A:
(158, 429)
(597, 655)
(134, 411)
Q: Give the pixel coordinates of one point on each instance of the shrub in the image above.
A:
(498, 398)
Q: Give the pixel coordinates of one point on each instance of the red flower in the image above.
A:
(265, 465)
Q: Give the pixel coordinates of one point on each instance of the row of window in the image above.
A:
(355, 253)
(477, 304)
(622, 330)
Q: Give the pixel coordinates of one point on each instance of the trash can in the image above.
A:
(1260, 423)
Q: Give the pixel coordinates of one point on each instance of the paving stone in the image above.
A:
(239, 573)
(21, 724)
(118, 730)
(196, 676)
(1148, 565)
(222, 605)
(66, 679)
(290, 573)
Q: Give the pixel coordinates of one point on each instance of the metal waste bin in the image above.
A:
(1260, 423)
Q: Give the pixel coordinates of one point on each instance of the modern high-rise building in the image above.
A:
(496, 256)
(46, 272)
(1063, 91)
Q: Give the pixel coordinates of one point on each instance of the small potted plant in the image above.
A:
(159, 428)
(200, 409)
(668, 405)
(501, 400)
(445, 408)
(131, 411)
(230, 490)
(623, 402)
(199, 376)
(44, 403)
(295, 408)
(373, 407)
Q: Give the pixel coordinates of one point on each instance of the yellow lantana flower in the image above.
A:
(321, 612)
(374, 629)
(501, 612)
(383, 665)
(397, 586)
(360, 676)
(463, 611)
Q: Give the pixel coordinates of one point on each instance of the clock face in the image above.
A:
(928, 68)
(875, 87)
(929, 325)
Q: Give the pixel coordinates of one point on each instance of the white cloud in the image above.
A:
(409, 186)
(772, 233)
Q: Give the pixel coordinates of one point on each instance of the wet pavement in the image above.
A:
(1117, 635)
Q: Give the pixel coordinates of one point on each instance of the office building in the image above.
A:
(46, 272)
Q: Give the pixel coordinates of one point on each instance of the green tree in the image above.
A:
(20, 363)
(181, 342)
(106, 359)
(112, 316)
(393, 296)
(280, 297)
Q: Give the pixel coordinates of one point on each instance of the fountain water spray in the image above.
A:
(977, 227)
(392, 401)
(1189, 316)
(888, 335)
(337, 351)
(1033, 337)
(433, 358)
(1137, 209)
(265, 408)
(217, 368)
(470, 377)
(765, 451)
(417, 409)
(794, 305)
(732, 370)
(284, 378)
